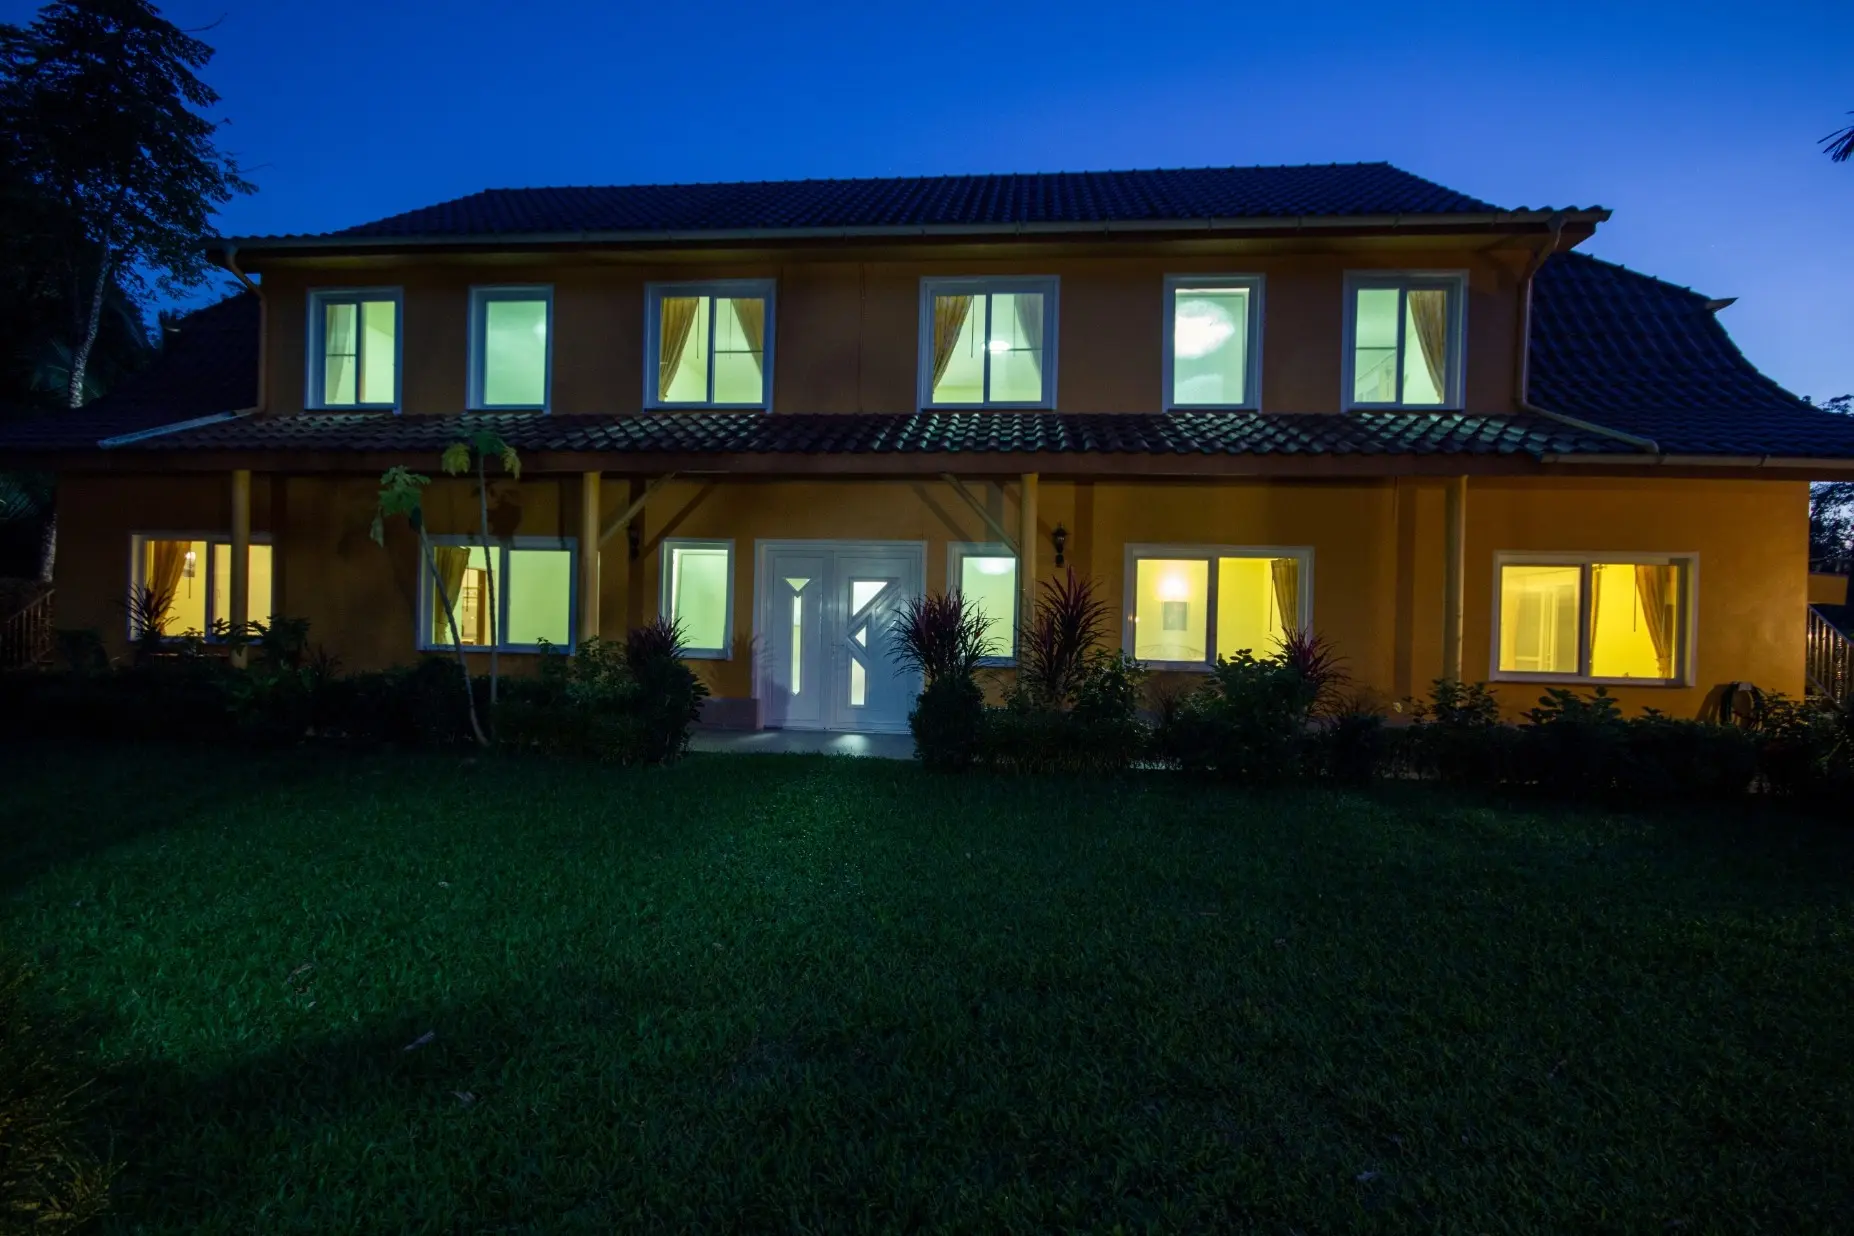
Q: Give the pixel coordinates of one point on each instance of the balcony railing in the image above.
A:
(1830, 658)
(26, 637)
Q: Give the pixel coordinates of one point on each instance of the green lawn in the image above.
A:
(795, 994)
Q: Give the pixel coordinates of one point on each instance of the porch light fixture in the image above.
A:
(1060, 539)
(190, 566)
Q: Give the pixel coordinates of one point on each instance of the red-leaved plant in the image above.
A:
(1064, 635)
(1316, 659)
(942, 636)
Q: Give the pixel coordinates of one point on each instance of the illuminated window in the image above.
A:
(517, 596)
(986, 576)
(1189, 605)
(510, 347)
(189, 581)
(1404, 341)
(354, 349)
(712, 343)
(988, 343)
(1564, 617)
(698, 592)
(1212, 337)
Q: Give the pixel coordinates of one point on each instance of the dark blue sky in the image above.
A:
(1695, 123)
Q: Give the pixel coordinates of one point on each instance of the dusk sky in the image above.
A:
(1697, 124)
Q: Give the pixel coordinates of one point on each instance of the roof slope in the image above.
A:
(741, 433)
(208, 364)
(1168, 195)
(1648, 357)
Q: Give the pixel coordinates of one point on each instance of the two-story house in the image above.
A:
(1245, 400)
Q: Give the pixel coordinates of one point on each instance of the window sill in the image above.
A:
(1214, 407)
(517, 649)
(1573, 680)
(988, 407)
(1177, 667)
(522, 407)
(385, 409)
(997, 662)
(1403, 407)
(707, 407)
(706, 654)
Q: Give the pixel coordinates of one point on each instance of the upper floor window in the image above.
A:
(1593, 618)
(1213, 332)
(511, 348)
(712, 343)
(1404, 341)
(988, 343)
(354, 349)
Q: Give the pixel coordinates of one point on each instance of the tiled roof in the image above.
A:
(1650, 358)
(739, 433)
(1171, 195)
(208, 364)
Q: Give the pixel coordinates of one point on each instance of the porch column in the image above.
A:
(1026, 541)
(589, 550)
(1454, 585)
(240, 607)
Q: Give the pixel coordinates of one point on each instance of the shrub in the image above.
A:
(1665, 758)
(1351, 744)
(948, 723)
(1572, 746)
(942, 636)
(1062, 636)
(1805, 748)
(1248, 724)
(1456, 736)
(1316, 659)
(668, 696)
(49, 1181)
(629, 703)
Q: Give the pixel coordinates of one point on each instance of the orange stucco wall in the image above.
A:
(846, 333)
(1377, 578)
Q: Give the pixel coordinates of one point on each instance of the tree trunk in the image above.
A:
(80, 355)
(450, 617)
(495, 636)
(48, 544)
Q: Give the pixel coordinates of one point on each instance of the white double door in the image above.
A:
(827, 633)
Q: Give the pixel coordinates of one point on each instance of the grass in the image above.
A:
(795, 994)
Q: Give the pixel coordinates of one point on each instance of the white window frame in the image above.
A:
(956, 554)
(1689, 616)
(480, 297)
(1207, 553)
(427, 605)
(1049, 285)
(315, 372)
(138, 570)
(1455, 282)
(665, 555)
(1256, 286)
(716, 290)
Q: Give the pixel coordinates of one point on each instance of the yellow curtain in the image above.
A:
(1030, 322)
(1286, 573)
(1429, 311)
(1655, 586)
(949, 316)
(678, 321)
(751, 313)
(166, 561)
(453, 561)
(1596, 604)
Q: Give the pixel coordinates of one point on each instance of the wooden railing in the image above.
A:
(26, 637)
(1830, 658)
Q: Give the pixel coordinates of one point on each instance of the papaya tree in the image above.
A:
(472, 454)
(402, 492)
